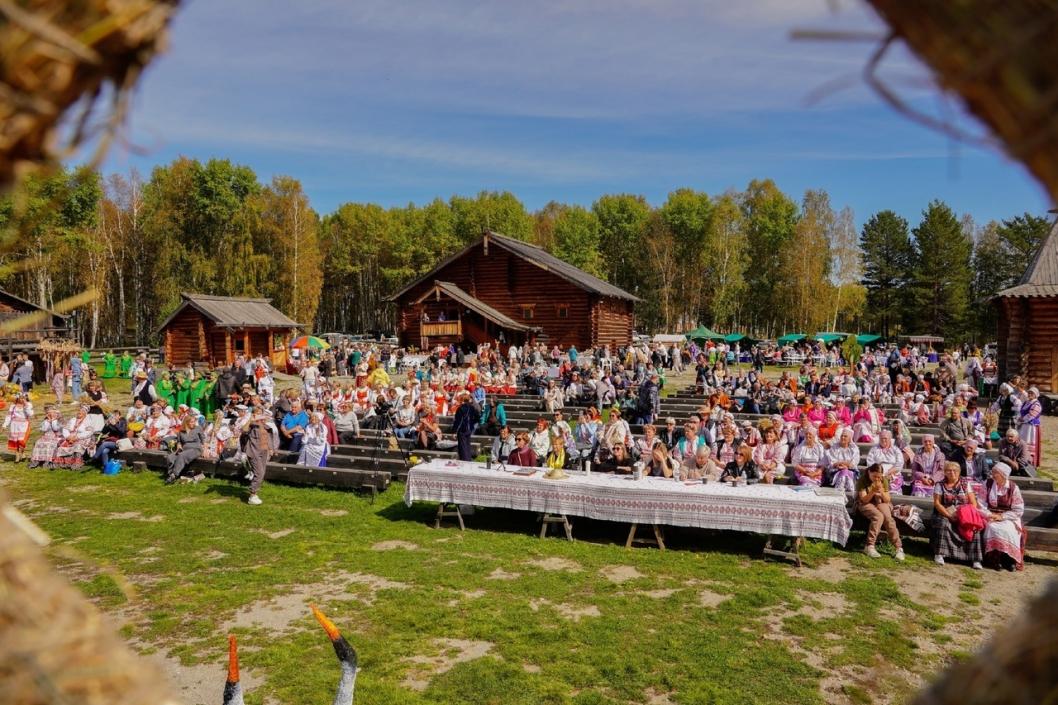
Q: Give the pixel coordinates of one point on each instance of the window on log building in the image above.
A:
(562, 310)
(528, 311)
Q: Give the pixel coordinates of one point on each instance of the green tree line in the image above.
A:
(756, 260)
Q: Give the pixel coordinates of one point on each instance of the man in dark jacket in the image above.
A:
(464, 424)
(649, 400)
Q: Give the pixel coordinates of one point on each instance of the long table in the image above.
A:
(764, 509)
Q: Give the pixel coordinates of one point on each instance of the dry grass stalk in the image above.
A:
(54, 53)
(55, 647)
(1000, 58)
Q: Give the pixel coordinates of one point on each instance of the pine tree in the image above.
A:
(942, 275)
(886, 267)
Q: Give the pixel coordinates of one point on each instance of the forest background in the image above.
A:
(755, 261)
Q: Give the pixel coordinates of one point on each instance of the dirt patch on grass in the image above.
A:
(822, 605)
(833, 571)
(655, 697)
(555, 563)
(83, 489)
(467, 595)
(570, 612)
(275, 534)
(710, 599)
(501, 574)
(453, 652)
(620, 573)
(136, 516)
(186, 500)
(394, 545)
(215, 555)
(659, 594)
(285, 612)
(333, 512)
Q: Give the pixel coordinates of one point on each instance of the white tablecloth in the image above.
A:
(763, 509)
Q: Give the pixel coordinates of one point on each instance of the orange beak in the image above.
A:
(328, 625)
(233, 660)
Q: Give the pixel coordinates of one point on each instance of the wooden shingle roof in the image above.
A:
(1041, 276)
(475, 304)
(536, 255)
(234, 312)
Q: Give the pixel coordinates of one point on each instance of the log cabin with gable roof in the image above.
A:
(498, 289)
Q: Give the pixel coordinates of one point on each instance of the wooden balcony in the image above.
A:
(439, 329)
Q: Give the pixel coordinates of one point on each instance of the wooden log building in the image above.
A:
(218, 328)
(1027, 335)
(498, 289)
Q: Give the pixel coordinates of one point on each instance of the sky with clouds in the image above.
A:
(397, 101)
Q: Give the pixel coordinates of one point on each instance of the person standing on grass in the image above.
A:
(258, 448)
(58, 383)
(875, 503)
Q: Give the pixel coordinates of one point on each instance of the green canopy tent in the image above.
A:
(830, 338)
(868, 338)
(742, 338)
(703, 333)
(791, 339)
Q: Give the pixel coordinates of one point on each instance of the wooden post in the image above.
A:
(227, 346)
(246, 342)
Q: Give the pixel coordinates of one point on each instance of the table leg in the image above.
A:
(792, 552)
(547, 519)
(658, 540)
(441, 514)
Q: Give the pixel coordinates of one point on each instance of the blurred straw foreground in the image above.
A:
(54, 54)
(1000, 57)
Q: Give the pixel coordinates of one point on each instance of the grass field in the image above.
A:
(493, 614)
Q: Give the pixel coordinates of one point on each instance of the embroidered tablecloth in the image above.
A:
(763, 509)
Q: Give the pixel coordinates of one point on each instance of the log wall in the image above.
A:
(1027, 339)
(183, 343)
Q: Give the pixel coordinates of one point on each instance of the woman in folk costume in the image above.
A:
(315, 448)
(946, 539)
(218, 434)
(266, 387)
(842, 461)
(1004, 535)
(16, 421)
(830, 430)
(363, 399)
(125, 365)
(1029, 422)
(927, 468)
(109, 365)
(156, 429)
(50, 437)
(164, 387)
(77, 440)
(866, 422)
(808, 459)
(890, 458)
(770, 455)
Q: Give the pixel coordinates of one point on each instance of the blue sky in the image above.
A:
(394, 101)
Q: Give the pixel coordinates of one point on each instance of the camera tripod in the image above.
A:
(385, 423)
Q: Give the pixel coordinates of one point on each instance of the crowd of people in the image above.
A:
(806, 427)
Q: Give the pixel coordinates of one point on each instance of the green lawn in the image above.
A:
(707, 621)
